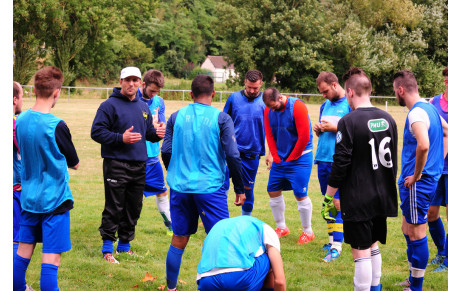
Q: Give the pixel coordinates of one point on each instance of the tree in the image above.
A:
(285, 40)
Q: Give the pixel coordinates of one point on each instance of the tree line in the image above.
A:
(289, 41)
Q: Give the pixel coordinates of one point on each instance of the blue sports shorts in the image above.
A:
(416, 199)
(186, 207)
(324, 169)
(292, 175)
(248, 170)
(51, 229)
(16, 214)
(442, 191)
(251, 279)
(154, 180)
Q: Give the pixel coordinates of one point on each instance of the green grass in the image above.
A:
(83, 268)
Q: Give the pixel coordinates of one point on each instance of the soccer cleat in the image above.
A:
(110, 258)
(327, 247)
(29, 288)
(437, 260)
(441, 268)
(282, 232)
(332, 255)
(405, 283)
(305, 238)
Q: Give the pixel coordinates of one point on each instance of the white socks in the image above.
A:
(363, 274)
(376, 259)
(277, 205)
(163, 206)
(305, 208)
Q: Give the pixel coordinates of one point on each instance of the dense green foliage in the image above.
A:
(289, 41)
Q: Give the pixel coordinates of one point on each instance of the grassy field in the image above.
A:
(84, 269)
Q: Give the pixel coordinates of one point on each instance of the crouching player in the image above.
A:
(364, 167)
(46, 150)
(241, 253)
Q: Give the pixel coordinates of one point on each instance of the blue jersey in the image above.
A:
(248, 118)
(331, 111)
(445, 115)
(16, 160)
(197, 162)
(435, 160)
(44, 174)
(284, 129)
(153, 148)
(232, 243)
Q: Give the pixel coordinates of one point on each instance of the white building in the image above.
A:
(221, 71)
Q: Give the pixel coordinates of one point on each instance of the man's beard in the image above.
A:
(144, 95)
(401, 101)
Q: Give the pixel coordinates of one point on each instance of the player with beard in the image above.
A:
(246, 109)
(290, 140)
(334, 108)
(153, 82)
(424, 149)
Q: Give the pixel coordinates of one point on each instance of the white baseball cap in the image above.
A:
(130, 71)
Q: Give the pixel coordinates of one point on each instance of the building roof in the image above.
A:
(220, 63)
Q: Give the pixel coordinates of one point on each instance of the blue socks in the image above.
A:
(173, 261)
(20, 265)
(446, 252)
(437, 234)
(248, 205)
(337, 232)
(419, 262)
(107, 247)
(48, 277)
(123, 246)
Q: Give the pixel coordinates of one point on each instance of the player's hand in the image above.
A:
(328, 206)
(327, 126)
(239, 200)
(161, 129)
(410, 180)
(131, 137)
(268, 161)
(317, 128)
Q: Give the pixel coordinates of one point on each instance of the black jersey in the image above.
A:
(365, 164)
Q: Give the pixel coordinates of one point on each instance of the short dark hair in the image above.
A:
(202, 85)
(327, 77)
(406, 79)
(155, 77)
(254, 76)
(357, 79)
(46, 80)
(16, 89)
(270, 94)
(444, 72)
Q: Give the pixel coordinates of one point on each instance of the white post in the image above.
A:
(386, 106)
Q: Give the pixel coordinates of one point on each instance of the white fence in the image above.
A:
(108, 91)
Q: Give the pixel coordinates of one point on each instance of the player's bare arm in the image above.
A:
(421, 153)
(276, 263)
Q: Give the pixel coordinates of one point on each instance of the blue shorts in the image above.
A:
(154, 180)
(51, 229)
(416, 200)
(324, 169)
(16, 214)
(186, 207)
(292, 175)
(441, 193)
(249, 169)
(250, 279)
